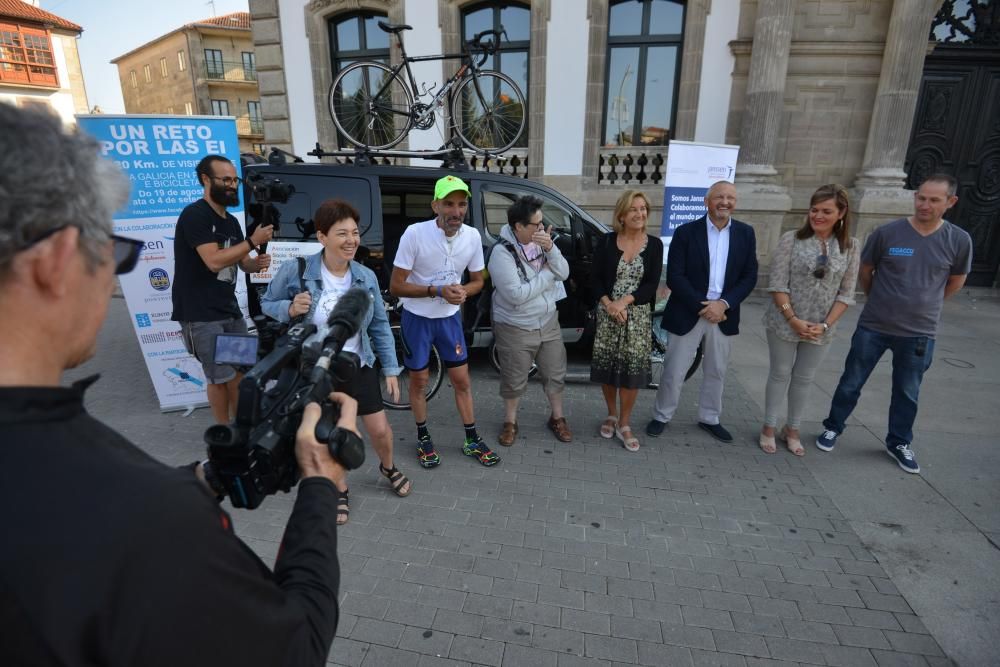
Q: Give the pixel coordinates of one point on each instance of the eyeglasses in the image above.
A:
(228, 180)
(125, 251)
(820, 271)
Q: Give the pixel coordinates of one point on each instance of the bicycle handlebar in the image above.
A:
(488, 48)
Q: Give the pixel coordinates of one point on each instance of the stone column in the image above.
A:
(772, 38)
(879, 185)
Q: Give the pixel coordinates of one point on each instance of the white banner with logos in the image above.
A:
(159, 154)
(691, 169)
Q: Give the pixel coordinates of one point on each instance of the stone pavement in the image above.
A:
(689, 552)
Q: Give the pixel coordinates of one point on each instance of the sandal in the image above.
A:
(766, 443)
(397, 480)
(794, 445)
(609, 427)
(629, 441)
(343, 509)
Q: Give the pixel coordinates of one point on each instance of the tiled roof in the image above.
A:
(16, 9)
(238, 20)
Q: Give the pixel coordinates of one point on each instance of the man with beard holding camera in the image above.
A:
(208, 246)
(109, 557)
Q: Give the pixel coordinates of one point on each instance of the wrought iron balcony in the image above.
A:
(249, 126)
(227, 70)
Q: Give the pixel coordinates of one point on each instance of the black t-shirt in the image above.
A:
(199, 294)
(111, 558)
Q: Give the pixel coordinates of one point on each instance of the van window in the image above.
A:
(295, 216)
(496, 201)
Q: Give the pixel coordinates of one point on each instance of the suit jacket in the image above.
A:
(687, 275)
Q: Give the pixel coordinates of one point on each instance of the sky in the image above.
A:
(112, 28)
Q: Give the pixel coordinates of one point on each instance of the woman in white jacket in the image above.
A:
(527, 271)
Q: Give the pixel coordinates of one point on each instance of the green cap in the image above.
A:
(445, 186)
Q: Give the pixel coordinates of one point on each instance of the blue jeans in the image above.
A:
(911, 356)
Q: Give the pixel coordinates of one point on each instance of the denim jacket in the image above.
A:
(377, 341)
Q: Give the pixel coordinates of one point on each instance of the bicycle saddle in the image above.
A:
(389, 27)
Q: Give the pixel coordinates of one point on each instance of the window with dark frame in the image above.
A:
(26, 55)
(213, 64)
(220, 107)
(513, 57)
(249, 66)
(354, 37)
(645, 39)
(256, 118)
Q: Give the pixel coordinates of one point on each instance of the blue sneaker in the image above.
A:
(827, 441)
(903, 455)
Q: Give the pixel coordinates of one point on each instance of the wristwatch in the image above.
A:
(826, 327)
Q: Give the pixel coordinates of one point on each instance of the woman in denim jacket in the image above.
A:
(328, 275)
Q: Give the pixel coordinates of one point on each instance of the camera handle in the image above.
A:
(345, 446)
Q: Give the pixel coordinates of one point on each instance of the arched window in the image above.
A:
(512, 59)
(645, 39)
(357, 37)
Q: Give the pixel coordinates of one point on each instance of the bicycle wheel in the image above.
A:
(369, 106)
(488, 112)
(495, 361)
(656, 362)
(436, 369)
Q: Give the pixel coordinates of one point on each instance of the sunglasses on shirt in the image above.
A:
(125, 252)
(820, 271)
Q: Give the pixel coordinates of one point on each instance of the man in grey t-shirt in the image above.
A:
(908, 268)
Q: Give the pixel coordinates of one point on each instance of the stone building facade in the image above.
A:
(813, 91)
(39, 61)
(203, 68)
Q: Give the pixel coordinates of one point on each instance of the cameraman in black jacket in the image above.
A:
(109, 557)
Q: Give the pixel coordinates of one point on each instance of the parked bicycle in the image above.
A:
(373, 107)
(393, 307)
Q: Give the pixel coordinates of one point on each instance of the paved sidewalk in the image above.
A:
(689, 552)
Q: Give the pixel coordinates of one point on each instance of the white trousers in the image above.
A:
(676, 362)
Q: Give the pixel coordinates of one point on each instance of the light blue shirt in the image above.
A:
(718, 255)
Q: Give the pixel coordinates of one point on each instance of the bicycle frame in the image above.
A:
(469, 64)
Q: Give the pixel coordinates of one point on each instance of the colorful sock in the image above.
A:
(422, 431)
(470, 432)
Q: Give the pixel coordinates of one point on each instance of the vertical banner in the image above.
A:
(691, 169)
(159, 154)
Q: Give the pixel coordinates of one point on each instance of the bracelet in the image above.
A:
(439, 291)
(785, 306)
(250, 243)
(429, 295)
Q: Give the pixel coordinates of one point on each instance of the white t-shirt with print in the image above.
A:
(335, 287)
(435, 259)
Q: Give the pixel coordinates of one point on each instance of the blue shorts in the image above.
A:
(444, 333)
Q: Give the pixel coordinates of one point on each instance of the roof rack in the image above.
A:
(453, 156)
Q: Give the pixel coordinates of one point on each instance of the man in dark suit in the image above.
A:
(711, 268)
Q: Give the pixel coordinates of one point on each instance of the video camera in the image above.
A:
(255, 455)
(266, 189)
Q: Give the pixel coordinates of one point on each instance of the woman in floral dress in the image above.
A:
(627, 266)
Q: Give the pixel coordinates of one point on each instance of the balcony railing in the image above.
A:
(632, 165)
(249, 126)
(227, 70)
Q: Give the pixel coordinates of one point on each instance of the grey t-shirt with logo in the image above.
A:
(910, 274)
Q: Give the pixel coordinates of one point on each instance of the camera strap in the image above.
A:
(302, 288)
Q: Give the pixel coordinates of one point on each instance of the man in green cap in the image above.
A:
(427, 276)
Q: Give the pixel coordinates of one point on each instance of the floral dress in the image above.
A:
(621, 351)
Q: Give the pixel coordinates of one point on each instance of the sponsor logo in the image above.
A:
(720, 172)
(156, 297)
(159, 280)
(901, 252)
(143, 320)
(153, 338)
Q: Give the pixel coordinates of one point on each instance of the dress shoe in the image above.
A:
(655, 428)
(507, 434)
(716, 431)
(560, 428)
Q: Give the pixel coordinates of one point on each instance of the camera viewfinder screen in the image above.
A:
(236, 349)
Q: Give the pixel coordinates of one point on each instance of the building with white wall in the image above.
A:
(813, 92)
(39, 61)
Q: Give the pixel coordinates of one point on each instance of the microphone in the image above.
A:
(344, 321)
